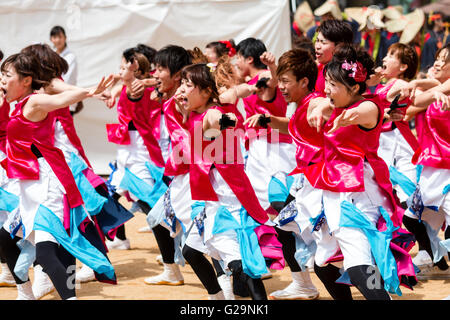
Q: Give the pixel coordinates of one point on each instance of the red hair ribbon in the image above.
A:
(231, 49)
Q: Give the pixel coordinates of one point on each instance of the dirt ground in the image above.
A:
(132, 266)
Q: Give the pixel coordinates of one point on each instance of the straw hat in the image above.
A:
(331, 6)
(392, 12)
(396, 25)
(304, 17)
(372, 18)
(355, 13)
(415, 21)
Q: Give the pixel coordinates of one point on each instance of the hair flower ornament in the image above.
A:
(231, 49)
(358, 73)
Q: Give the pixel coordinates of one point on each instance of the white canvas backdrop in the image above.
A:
(99, 30)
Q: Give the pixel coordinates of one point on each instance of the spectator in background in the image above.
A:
(328, 11)
(303, 20)
(372, 37)
(59, 40)
(432, 41)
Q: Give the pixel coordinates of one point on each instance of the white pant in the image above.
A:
(47, 191)
(133, 157)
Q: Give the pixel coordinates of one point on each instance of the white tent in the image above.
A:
(99, 30)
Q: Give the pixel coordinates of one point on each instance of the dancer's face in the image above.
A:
(126, 71)
(211, 54)
(441, 66)
(392, 66)
(324, 49)
(243, 66)
(165, 81)
(340, 96)
(13, 85)
(191, 96)
(291, 89)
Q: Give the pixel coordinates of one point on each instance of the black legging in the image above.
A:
(202, 268)
(217, 267)
(328, 275)
(359, 276)
(287, 240)
(165, 243)
(419, 231)
(59, 265)
(9, 251)
(255, 286)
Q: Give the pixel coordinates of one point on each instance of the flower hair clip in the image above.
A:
(359, 72)
(231, 49)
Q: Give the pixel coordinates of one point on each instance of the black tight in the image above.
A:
(217, 267)
(420, 233)
(255, 286)
(287, 240)
(165, 243)
(9, 251)
(328, 275)
(59, 265)
(360, 278)
(202, 268)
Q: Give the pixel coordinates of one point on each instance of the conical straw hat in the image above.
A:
(415, 19)
(392, 12)
(355, 13)
(372, 18)
(331, 6)
(396, 25)
(304, 17)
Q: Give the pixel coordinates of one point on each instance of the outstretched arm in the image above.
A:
(39, 105)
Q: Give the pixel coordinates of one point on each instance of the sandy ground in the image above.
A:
(132, 266)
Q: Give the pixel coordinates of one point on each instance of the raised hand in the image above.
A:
(267, 58)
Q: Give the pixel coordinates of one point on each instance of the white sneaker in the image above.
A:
(85, 274)
(422, 258)
(171, 276)
(227, 287)
(301, 288)
(218, 296)
(159, 260)
(145, 229)
(42, 285)
(6, 277)
(433, 272)
(25, 291)
(118, 244)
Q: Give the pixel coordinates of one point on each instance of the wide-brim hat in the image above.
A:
(355, 13)
(372, 18)
(304, 17)
(392, 12)
(331, 6)
(396, 25)
(415, 21)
